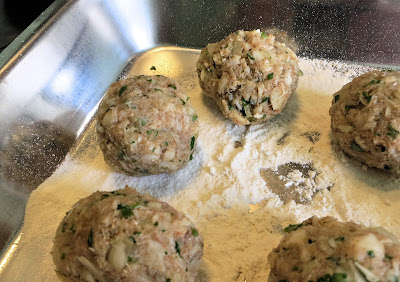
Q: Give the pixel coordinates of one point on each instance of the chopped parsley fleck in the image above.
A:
(265, 99)
(336, 260)
(348, 107)
(172, 86)
(64, 226)
(178, 248)
(336, 277)
(250, 56)
(166, 143)
(156, 223)
(374, 81)
(371, 254)
(191, 157)
(90, 239)
(183, 102)
(194, 232)
(126, 211)
(153, 68)
(270, 76)
(192, 142)
(264, 116)
(392, 132)
(340, 238)
(148, 132)
(168, 280)
(132, 239)
(137, 233)
(62, 256)
(158, 89)
(301, 72)
(194, 118)
(131, 259)
(292, 227)
(295, 268)
(388, 257)
(187, 99)
(117, 193)
(122, 89)
(337, 97)
(133, 142)
(264, 35)
(110, 108)
(356, 147)
(121, 155)
(72, 228)
(102, 197)
(150, 80)
(367, 96)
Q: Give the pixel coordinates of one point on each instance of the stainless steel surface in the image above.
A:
(53, 76)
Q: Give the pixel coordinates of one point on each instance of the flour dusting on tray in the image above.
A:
(243, 186)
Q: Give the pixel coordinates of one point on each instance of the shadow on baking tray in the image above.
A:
(380, 179)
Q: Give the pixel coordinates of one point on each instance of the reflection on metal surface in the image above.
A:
(32, 152)
(141, 32)
(8, 254)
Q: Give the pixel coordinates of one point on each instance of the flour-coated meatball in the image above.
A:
(126, 236)
(365, 119)
(328, 250)
(249, 75)
(146, 125)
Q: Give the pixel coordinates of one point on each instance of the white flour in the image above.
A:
(222, 190)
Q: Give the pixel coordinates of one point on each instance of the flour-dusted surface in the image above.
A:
(243, 185)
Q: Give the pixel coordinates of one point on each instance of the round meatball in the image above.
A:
(126, 236)
(249, 75)
(328, 250)
(146, 125)
(365, 119)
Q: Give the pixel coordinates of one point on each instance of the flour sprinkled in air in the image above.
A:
(244, 185)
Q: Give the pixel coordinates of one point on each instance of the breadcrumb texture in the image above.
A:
(365, 119)
(126, 236)
(249, 75)
(146, 125)
(324, 249)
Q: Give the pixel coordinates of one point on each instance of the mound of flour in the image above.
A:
(244, 185)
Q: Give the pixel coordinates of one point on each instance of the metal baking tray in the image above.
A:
(54, 74)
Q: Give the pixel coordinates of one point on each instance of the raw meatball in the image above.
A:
(146, 125)
(365, 119)
(249, 75)
(126, 236)
(327, 250)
